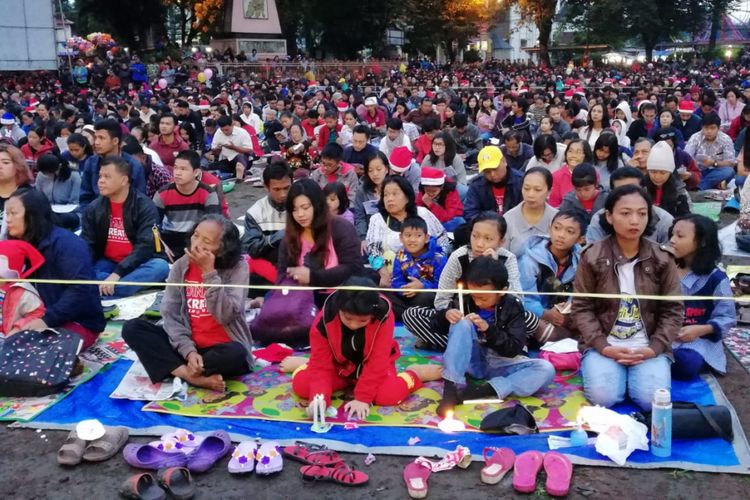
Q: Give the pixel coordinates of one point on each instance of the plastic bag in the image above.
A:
(619, 435)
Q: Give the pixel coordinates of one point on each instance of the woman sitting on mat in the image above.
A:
(205, 337)
(695, 241)
(626, 342)
(352, 346)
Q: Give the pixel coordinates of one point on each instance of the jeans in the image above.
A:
(464, 354)
(712, 177)
(605, 380)
(462, 190)
(152, 271)
(452, 224)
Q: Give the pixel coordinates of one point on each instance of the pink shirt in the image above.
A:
(562, 184)
(331, 261)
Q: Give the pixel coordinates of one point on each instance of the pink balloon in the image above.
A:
(162, 83)
(209, 73)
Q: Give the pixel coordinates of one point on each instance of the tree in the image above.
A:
(129, 21)
(196, 16)
(715, 11)
(542, 13)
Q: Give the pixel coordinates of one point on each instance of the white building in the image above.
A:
(512, 35)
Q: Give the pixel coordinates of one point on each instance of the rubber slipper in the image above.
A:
(268, 459)
(210, 451)
(145, 456)
(243, 458)
(499, 461)
(559, 472)
(340, 474)
(71, 452)
(178, 482)
(312, 454)
(142, 486)
(416, 477)
(527, 466)
(180, 440)
(107, 446)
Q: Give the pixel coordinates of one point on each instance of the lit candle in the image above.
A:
(450, 424)
(461, 297)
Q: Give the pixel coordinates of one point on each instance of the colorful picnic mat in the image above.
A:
(107, 349)
(267, 394)
(737, 341)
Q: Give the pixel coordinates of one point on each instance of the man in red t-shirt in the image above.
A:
(120, 227)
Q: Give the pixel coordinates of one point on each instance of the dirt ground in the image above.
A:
(28, 469)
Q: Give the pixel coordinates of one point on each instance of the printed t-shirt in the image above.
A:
(118, 245)
(499, 194)
(628, 330)
(207, 332)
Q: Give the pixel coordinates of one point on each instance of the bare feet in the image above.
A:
(291, 363)
(212, 382)
(428, 372)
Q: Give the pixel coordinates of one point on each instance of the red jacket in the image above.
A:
(327, 363)
(736, 127)
(45, 147)
(168, 152)
(423, 146)
(453, 206)
(324, 135)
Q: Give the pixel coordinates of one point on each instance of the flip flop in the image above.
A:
(340, 474)
(71, 452)
(269, 459)
(527, 466)
(559, 472)
(499, 461)
(181, 439)
(107, 446)
(142, 486)
(145, 456)
(243, 458)
(311, 454)
(178, 482)
(416, 477)
(210, 451)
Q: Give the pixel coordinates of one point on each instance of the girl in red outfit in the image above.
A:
(439, 195)
(352, 346)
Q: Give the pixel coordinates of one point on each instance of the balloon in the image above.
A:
(162, 83)
(201, 77)
(209, 73)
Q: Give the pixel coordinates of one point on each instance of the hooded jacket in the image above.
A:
(426, 267)
(539, 270)
(446, 207)
(327, 361)
(571, 202)
(625, 108)
(479, 198)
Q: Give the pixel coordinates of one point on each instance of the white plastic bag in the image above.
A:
(619, 435)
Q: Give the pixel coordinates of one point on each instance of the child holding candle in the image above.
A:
(487, 340)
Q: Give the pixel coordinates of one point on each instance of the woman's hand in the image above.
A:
(195, 363)
(627, 356)
(692, 332)
(454, 316)
(109, 288)
(202, 258)
(357, 409)
(299, 274)
(364, 248)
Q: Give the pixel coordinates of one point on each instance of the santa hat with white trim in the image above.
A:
(432, 177)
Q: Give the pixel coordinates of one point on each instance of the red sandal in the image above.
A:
(498, 462)
(340, 474)
(312, 454)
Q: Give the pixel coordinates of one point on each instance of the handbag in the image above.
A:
(285, 317)
(37, 363)
(694, 421)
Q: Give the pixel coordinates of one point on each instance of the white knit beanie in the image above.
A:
(661, 157)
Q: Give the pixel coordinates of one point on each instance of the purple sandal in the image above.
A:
(145, 456)
(210, 451)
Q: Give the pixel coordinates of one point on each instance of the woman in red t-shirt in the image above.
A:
(205, 337)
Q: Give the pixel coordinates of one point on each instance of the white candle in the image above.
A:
(461, 297)
(450, 424)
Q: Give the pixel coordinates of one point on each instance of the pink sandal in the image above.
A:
(499, 461)
(559, 472)
(416, 477)
(527, 466)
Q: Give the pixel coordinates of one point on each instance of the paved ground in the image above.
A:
(28, 469)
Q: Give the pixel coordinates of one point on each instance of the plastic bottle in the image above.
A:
(578, 437)
(661, 424)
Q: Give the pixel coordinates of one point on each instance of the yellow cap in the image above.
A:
(489, 158)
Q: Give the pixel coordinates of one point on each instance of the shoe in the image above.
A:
(243, 458)
(145, 456)
(416, 477)
(111, 311)
(559, 472)
(178, 482)
(210, 451)
(154, 310)
(268, 459)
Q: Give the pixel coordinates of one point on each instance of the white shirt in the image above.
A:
(154, 156)
(628, 330)
(254, 121)
(239, 137)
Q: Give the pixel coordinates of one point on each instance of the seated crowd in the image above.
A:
(471, 214)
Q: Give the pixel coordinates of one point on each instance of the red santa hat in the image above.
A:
(400, 159)
(686, 107)
(432, 177)
(342, 106)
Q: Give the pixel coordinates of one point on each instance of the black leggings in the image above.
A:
(151, 344)
(401, 303)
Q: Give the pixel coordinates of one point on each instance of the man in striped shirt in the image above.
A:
(182, 203)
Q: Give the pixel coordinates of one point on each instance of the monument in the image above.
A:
(251, 24)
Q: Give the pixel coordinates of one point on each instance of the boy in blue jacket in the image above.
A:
(549, 264)
(417, 266)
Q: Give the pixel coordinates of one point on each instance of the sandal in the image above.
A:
(499, 461)
(340, 474)
(210, 451)
(527, 466)
(142, 486)
(559, 472)
(311, 454)
(71, 452)
(145, 456)
(416, 477)
(107, 446)
(268, 459)
(178, 482)
(243, 458)
(179, 440)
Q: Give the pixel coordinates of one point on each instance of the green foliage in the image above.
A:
(126, 20)
(472, 56)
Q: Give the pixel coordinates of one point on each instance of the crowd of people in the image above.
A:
(494, 179)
